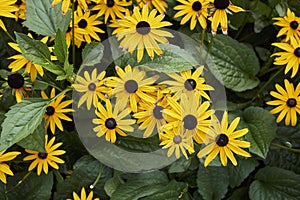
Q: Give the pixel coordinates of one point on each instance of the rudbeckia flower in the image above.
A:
(7, 8)
(4, 168)
(222, 139)
(110, 121)
(78, 38)
(141, 30)
(83, 195)
(17, 83)
(288, 103)
(55, 111)
(42, 160)
(193, 10)
(66, 4)
(21, 5)
(160, 5)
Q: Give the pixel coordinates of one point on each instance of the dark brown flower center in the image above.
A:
(19, 2)
(222, 140)
(110, 123)
(82, 23)
(221, 4)
(50, 110)
(190, 84)
(297, 52)
(143, 28)
(157, 112)
(110, 3)
(197, 6)
(291, 102)
(131, 86)
(15, 81)
(190, 122)
(294, 25)
(177, 139)
(69, 29)
(42, 155)
(92, 87)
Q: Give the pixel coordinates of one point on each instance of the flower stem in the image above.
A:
(209, 48)
(287, 148)
(98, 177)
(21, 181)
(201, 44)
(10, 36)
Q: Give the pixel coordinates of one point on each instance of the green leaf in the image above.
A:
(237, 174)
(112, 184)
(240, 193)
(33, 187)
(60, 47)
(86, 170)
(45, 20)
(37, 52)
(262, 129)
(275, 183)
(212, 182)
(180, 165)
(92, 54)
(21, 121)
(134, 144)
(236, 63)
(39, 85)
(36, 140)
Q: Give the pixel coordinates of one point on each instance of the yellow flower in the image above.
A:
(194, 10)
(4, 168)
(43, 159)
(17, 83)
(160, 5)
(112, 8)
(132, 86)
(288, 103)
(92, 87)
(290, 26)
(66, 4)
(83, 195)
(6, 9)
(55, 111)
(142, 30)
(222, 139)
(110, 121)
(291, 56)
(86, 24)
(77, 37)
(219, 15)
(21, 5)
(188, 83)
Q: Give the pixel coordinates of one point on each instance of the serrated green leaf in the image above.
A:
(60, 47)
(275, 183)
(36, 140)
(180, 165)
(237, 174)
(44, 19)
(86, 170)
(212, 182)
(21, 121)
(236, 63)
(39, 85)
(112, 184)
(135, 144)
(262, 129)
(92, 54)
(37, 52)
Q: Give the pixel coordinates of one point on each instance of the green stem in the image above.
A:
(98, 177)
(10, 36)
(201, 44)
(209, 48)
(62, 92)
(287, 148)
(21, 181)
(73, 33)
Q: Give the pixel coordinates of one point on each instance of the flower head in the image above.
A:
(21, 5)
(7, 8)
(222, 138)
(160, 5)
(83, 195)
(288, 103)
(66, 4)
(141, 30)
(4, 168)
(16, 82)
(55, 111)
(45, 159)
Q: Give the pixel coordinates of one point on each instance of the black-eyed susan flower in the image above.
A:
(151, 115)
(92, 87)
(288, 103)
(86, 25)
(42, 160)
(17, 83)
(177, 141)
(290, 57)
(290, 26)
(188, 83)
(55, 111)
(193, 10)
(78, 38)
(219, 15)
(131, 87)
(110, 121)
(191, 115)
(66, 4)
(4, 168)
(222, 138)
(7, 7)
(83, 195)
(142, 30)
(112, 8)
(21, 5)
(160, 5)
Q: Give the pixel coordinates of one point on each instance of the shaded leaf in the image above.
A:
(92, 54)
(60, 47)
